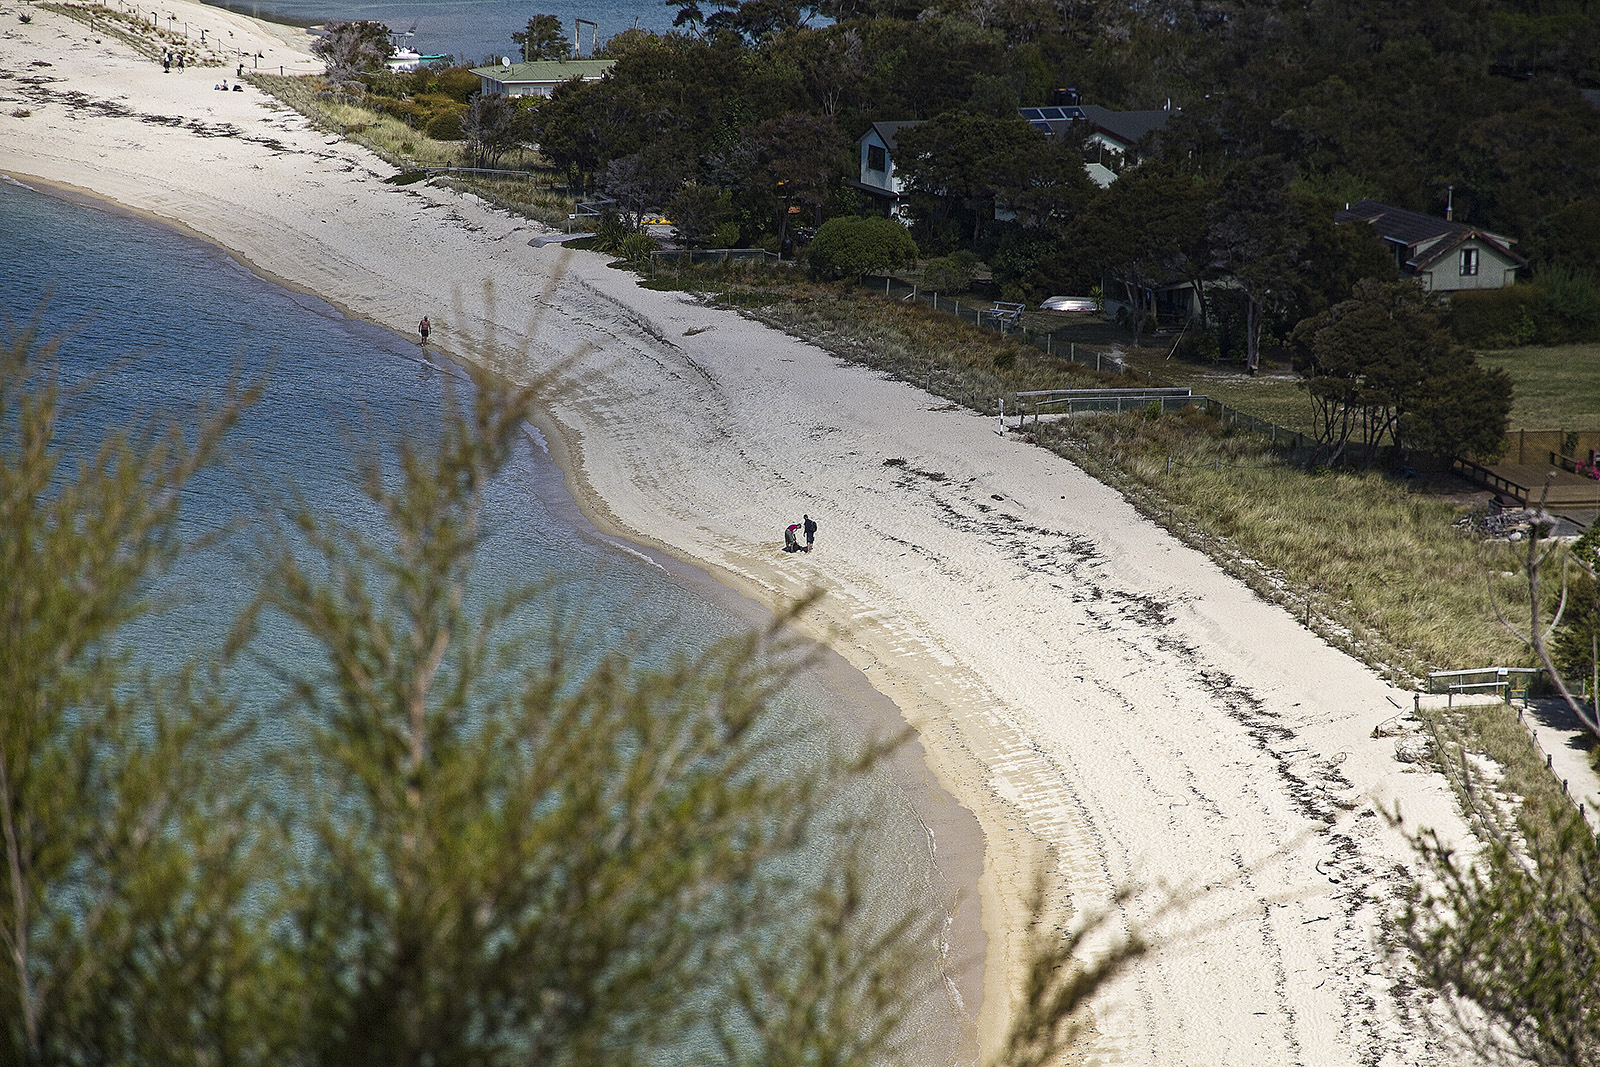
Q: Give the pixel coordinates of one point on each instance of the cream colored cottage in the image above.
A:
(1445, 256)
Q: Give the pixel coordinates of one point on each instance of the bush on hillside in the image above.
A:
(847, 247)
(1558, 307)
(950, 274)
(1496, 318)
(445, 126)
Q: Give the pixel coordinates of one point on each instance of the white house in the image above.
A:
(540, 77)
(877, 174)
(1445, 256)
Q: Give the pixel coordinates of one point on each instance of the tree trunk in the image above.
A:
(1252, 334)
(1135, 311)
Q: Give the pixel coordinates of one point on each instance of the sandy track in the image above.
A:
(1102, 697)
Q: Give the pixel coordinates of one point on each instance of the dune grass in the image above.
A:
(1375, 567)
(933, 350)
(403, 146)
(1557, 388)
(391, 138)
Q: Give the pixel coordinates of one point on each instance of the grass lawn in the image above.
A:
(1557, 388)
(1274, 394)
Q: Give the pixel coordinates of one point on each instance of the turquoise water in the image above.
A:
(155, 321)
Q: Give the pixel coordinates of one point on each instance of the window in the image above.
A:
(1469, 262)
(876, 158)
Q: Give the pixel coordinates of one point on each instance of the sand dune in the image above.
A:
(1102, 697)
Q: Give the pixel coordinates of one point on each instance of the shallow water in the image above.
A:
(156, 321)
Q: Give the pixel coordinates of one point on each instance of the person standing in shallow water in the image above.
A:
(811, 531)
(424, 328)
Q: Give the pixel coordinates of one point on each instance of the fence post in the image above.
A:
(886, 286)
(1049, 338)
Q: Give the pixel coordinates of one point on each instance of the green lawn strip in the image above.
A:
(1275, 394)
(1557, 388)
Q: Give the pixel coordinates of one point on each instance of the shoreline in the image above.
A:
(1104, 701)
(953, 840)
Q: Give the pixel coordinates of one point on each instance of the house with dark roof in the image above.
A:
(1444, 255)
(1113, 136)
(877, 177)
(540, 77)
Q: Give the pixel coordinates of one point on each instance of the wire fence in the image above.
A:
(701, 257)
(1003, 321)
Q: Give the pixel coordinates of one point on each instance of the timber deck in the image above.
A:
(1526, 482)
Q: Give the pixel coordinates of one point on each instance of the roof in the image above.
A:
(1052, 120)
(546, 71)
(1412, 228)
(1129, 127)
(888, 131)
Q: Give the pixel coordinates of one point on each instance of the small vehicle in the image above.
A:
(1072, 304)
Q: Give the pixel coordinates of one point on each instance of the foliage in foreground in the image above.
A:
(121, 853)
(492, 848)
(1515, 935)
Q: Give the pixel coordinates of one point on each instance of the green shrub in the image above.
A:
(1558, 307)
(1496, 318)
(636, 247)
(458, 83)
(848, 247)
(611, 233)
(445, 126)
(1572, 307)
(948, 274)
(725, 235)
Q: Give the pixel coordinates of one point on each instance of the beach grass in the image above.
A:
(402, 145)
(1275, 394)
(935, 351)
(1556, 388)
(391, 138)
(1373, 565)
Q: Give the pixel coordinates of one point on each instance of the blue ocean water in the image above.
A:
(154, 321)
(470, 28)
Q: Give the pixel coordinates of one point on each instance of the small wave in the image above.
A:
(634, 551)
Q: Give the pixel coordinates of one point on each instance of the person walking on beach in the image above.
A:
(791, 540)
(811, 531)
(166, 62)
(424, 328)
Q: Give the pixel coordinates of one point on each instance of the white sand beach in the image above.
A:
(1103, 698)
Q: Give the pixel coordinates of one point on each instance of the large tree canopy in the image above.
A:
(349, 49)
(542, 38)
(1386, 370)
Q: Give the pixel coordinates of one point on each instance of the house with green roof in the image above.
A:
(540, 77)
